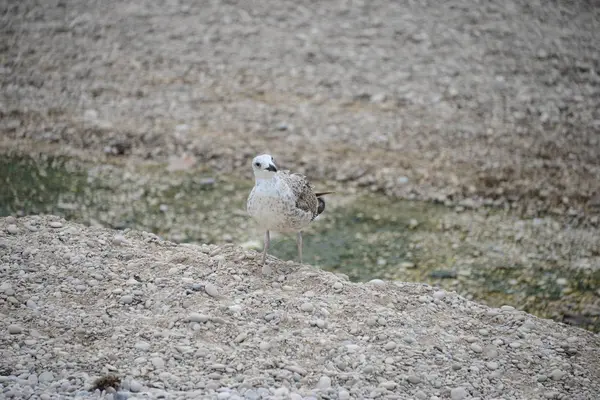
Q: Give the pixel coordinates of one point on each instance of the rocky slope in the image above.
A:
(185, 321)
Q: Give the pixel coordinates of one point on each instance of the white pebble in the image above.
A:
(377, 282)
(307, 307)
(389, 385)
(135, 386)
(119, 240)
(390, 346)
(46, 376)
(343, 395)
(440, 294)
(211, 290)
(144, 346)
(476, 348)
(14, 329)
(158, 362)
(324, 383)
(12, 229)
(338, 286)
(127, 299)
(55, 224)
(197, 317)
(458, 393)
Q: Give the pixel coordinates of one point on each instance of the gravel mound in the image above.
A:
(87, 307)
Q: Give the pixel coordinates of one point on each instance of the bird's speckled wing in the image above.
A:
(306, 200)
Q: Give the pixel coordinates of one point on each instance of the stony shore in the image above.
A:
(180, 321)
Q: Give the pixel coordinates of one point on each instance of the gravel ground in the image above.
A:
(497, 100)
(186, 321)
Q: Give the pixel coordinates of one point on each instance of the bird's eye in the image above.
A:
(257, 164)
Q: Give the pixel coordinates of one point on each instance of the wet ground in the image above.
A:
(487, 254)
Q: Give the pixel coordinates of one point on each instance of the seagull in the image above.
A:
(282, 201)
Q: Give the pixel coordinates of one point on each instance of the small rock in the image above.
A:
(135, 386)
(458, 393)
(127, 299)
(414, 379)
(421, 395)
(46, 376)
(197, 317)
(440, 294)
(12, 229)
(15, 329)
(389, 385)
(390, 346)
(476, 348)
(144, 346)
(119, 240)
(408, 265)
(307, 307)
(557, 374)
(542, 378)
(377, 282)
(211, 290)
(338, 286)
(158, 362)
(507, 308)
(515, 345)
(55, 224)
(324, 383)
(492, 365)
(343, 395)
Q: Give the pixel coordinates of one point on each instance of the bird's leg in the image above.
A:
(267, 242)
(299, 242)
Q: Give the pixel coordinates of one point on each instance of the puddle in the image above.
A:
(491, 257)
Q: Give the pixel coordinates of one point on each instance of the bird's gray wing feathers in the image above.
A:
(306, 200)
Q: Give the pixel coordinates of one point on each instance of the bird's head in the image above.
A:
(264, 166)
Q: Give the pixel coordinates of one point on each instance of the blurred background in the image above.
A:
(462, 137)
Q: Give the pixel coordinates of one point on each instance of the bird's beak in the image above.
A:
(272, 168)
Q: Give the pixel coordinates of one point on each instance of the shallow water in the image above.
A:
(365, 236)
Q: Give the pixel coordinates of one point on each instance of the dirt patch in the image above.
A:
(499, 102)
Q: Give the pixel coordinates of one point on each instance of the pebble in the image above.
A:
(46, 376)
(15, 329)
(324, 383)
(135, 386)
(144, 346)
(55, 224)
(119, 240)
(440, 294)
(377, 282)
(515, 345)
(390, 346)
(476, 348)
(307, 307)
(157, 362)
(414, 379)
(211, 290)
(458, 393)
(421, 395)
(338, 286)
(127, 299)
(492, 365)
(389, 385)
(197, 317)
(12, 229)
(557, 374)
(507, 308)
(343, 395)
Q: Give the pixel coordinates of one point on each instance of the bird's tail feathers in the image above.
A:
(319, 194)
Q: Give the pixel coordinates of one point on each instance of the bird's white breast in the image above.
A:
(271, 204)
